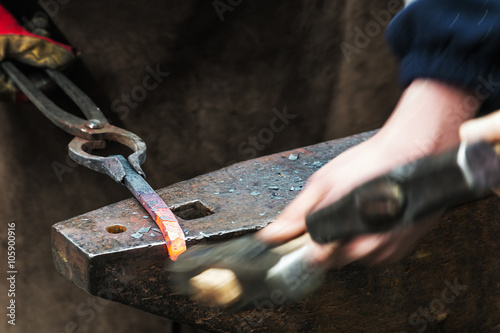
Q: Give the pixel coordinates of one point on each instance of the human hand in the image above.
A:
(18, 44)
(486, 128)
(425, 122)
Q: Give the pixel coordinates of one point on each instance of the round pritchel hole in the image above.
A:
(116, 229)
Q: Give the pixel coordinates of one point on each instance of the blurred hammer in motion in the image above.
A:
(236, 273)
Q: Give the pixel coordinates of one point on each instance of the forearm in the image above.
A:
(426, 120)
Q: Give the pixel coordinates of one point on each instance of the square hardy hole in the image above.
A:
(192, 210)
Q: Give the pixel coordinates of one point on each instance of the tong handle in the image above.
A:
(64, 120)
(89, 134)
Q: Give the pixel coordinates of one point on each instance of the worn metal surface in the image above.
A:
(451, 278)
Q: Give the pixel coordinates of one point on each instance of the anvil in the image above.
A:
(117, 253)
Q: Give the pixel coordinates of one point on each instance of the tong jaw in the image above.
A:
(80, 151)
(90, 133)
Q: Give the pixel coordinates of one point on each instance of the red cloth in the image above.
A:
(10, 26)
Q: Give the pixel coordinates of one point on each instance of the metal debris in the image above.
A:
(293, 157)
(273, 187)
(143, 230)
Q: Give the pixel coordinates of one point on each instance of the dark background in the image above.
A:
(225, 79)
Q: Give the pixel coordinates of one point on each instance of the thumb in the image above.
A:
(486, 128)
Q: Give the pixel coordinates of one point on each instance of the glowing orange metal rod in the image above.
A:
(157, 209)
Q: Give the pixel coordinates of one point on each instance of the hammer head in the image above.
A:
(238, 272)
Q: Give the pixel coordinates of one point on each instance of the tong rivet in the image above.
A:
(94, 124)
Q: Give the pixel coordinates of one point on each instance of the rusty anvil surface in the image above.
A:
(450, 282)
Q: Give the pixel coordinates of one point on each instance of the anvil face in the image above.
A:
(117, 253)
(101, 249)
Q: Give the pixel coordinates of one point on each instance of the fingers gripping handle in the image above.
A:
(409, 193)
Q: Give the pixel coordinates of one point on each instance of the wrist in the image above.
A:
(426, 120)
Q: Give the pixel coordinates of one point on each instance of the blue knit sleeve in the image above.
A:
(455, 41)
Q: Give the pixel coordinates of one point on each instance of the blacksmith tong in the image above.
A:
(92, 133)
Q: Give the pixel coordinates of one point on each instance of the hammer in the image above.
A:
(239, 272)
